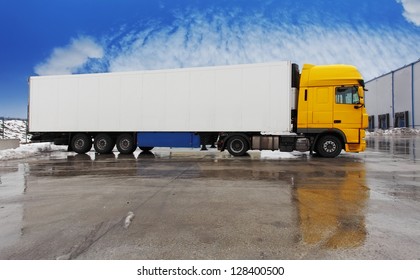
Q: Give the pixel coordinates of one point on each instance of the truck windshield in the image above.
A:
(347, 95)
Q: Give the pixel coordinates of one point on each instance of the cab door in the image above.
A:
(348, 112)
(315, 108)
(321, 105)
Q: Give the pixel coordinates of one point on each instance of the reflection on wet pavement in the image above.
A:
(13, 185)
(333, 216)
(396, 146)
(209, 205)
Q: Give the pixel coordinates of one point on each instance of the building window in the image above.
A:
(347, 95)
(371, 123)
(383, 121)
(401, 119)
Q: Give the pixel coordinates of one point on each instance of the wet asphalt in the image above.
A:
(188, 204)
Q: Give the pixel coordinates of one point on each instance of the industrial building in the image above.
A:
(393, 99)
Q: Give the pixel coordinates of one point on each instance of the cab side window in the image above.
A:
(346, 95)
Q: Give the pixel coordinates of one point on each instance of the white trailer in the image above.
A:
(178, 107)
(254, 97)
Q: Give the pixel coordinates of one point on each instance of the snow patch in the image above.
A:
(280, 155)
(28, 150)
(394, 132)
(14, 129)
(128, 219)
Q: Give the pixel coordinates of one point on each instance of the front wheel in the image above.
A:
(329, 146)
(237, 145)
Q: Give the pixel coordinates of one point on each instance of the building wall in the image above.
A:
(379, 97)
(402, 90)
(395, 92)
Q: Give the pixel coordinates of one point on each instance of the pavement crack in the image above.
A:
(90, 239)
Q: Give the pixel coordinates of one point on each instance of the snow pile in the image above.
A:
(394, 132)
(28, 150)
(14, 129)
(280, 155)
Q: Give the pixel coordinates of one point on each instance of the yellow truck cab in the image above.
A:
(331, 110)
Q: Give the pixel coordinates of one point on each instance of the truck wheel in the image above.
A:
(146, 149)
(103, 143)
(126, 144)
(237, 145)
(328, 146)
(81, 143)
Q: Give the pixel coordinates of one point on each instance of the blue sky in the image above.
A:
(46, 37)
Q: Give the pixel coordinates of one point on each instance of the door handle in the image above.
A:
(337, 121)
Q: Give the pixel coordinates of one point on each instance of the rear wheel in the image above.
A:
(237, 145)
(329, 146)
(126, 144)
(146, 149)
(81, 143)
(103, 143)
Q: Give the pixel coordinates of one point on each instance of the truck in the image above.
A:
(262, 106)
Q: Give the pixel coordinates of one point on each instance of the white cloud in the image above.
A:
(199, 40)
(411, 10)
(68, 59)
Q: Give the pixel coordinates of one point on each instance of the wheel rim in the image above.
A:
(237, 145)
(102, 144)
(79, 143)
(125, 144)
(330, 146)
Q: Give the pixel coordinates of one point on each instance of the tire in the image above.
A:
(237, 145)
(81, 143)
(103, 143)
(146, 149)
(329, 146)
(126, 144)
